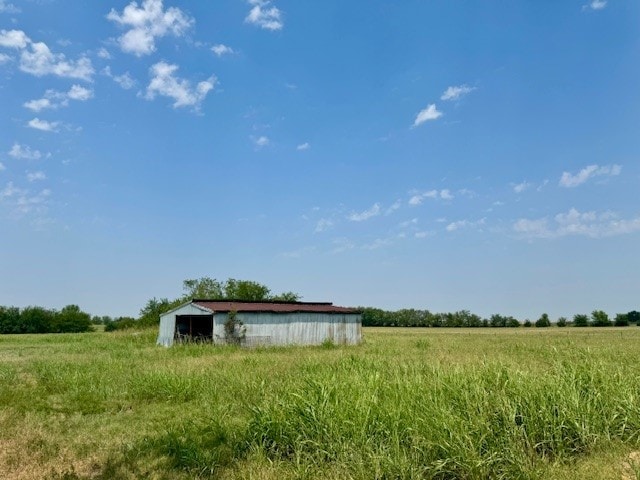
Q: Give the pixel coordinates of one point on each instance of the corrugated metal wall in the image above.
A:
(266, 328)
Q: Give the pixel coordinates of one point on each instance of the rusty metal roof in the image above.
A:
(273, 307)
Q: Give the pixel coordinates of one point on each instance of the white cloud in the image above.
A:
(456, 93)
(460, 224)
(323, 224)
(53, 99)
(104, 53)
(22, 201)
(43, 125)
(221, 50)
(521, 187)
(4, 58)
(2, 167)
(418, 198)
(366, 215)
(24, 152)
(79, 93)
(395, 206)
(37, 59)
(125, 80)
(589, 224)
(427, 114)
(595, 5)
(424, 234)
(14, 39)
(163, 82)
(35, 176)
(568, 180)
(303, 146)
(6, 7)
(148, 23)
(265, 15)
(261, 141)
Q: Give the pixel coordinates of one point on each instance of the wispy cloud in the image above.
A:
(6, 7)
(461, 224)
(418, 198)
(24, 152)
(589, 224)
(22, 201)
(104, 53)
(36, 176)
(429, 113)
(595, 5)
(4, 58)
(125, 80)
(53, 99)
(394, 206)
(365, 215)
(303, 146)
(265, 15)
(323, 225)
(148, 22)
(43, 125)
(2, 167)
(569, 180)
(521, 187)
(37, 59)
(165, 83)
(261, 141)
(220, 49)
(456, 93)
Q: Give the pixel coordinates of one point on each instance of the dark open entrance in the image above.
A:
(194, 328)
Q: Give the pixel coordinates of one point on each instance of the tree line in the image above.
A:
(43, 320)
(376, 317)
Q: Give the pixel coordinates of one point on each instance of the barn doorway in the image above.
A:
(194, 328)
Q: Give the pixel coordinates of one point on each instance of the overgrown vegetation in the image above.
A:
(409, 403)
(234, 329)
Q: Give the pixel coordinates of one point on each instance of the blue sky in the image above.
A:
(426, 154)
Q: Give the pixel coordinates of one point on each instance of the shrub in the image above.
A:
(600, 319)
(562, 322)
(234, 330)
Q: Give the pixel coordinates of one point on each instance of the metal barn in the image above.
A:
(265, 323)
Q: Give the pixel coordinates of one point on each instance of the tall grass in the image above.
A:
(441, 405)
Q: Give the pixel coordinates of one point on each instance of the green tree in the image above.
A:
(562, 322)
(512, 322)
(527, 323)
(203, 288)
(246, 290)
(71, 320)
(36, 320)
(9, 320)
(543, 321)
(600, 319)
(634, 317)
(580, 320)
(150, 313)
(621, 320)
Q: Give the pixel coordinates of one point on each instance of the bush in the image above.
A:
(562, 322)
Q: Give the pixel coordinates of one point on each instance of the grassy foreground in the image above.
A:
(408, 403)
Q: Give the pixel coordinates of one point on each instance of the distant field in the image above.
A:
(408, 403)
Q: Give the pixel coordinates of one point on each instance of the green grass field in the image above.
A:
(408, 403)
